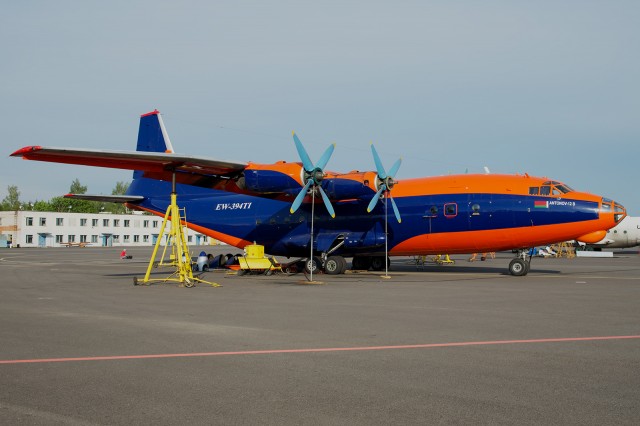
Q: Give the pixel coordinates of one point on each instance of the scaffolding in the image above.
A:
(180, 257)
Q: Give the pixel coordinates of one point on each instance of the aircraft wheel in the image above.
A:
(334, 265)
(361, 263)
(377, 263)
(518, 267)
(312, 264)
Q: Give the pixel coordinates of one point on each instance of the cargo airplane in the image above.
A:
(240, 203)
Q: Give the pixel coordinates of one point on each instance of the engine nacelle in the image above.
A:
(350, 185)
(272, 178)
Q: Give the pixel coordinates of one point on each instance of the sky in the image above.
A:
(548, 88)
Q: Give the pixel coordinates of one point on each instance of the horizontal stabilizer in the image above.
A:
(131, 160)
(107, 198)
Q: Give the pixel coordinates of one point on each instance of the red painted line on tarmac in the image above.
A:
(315, 350)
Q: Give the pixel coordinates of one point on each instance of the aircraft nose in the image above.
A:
(619, 212)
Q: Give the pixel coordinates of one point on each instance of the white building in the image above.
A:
(52, 229)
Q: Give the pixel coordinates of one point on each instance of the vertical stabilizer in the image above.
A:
(152, 135)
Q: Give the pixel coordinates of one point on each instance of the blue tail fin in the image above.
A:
(152, 136)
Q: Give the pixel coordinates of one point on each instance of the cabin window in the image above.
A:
(534, 190)
(450, 209)
(432, 212)
(545, 190)
(475, 209)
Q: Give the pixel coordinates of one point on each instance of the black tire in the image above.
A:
(315, 264)
(334, 265)
(377, 263)
(518, 267)
(361, 263)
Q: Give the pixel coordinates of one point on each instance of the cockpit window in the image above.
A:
(550, 187)
(564, 188)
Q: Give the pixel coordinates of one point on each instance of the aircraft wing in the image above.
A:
(154, 162)
(107, 198)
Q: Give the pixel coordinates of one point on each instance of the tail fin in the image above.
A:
(152, 136)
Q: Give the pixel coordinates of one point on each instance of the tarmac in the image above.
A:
(433, 344)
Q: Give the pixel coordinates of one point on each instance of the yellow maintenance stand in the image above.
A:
(180, 252)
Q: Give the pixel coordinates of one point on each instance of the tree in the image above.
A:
(120, 189)
(77, 187)
(12, 200)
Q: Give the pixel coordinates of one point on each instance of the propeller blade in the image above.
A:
(326, 156)
(382, 174)
(395, 209)
(375, 198)
(327, 203)
(395, 167)
(300, 197)
(306, 161)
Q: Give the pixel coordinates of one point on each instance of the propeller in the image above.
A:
(385, 183)
(313, 175)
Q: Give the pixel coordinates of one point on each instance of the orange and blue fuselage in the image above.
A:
(448, 214)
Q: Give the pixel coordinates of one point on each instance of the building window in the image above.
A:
(83, 238)
(116, 222)
(83, 222)
(205, 239)
(136, 238)
(145, 238)
(105, 222)
(126, 238)
(59, 221)
(94, 238)
(145, 224)
(29, 221)
(116, 238)
(155, 223)
(94, 222)
(127, 223)
(190, 239)
(43, 221)
(71, 238)
(28, 239)
(59, 239)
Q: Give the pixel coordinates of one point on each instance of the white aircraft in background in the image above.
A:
(623, 235)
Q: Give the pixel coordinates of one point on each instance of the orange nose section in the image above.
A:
(593, 237)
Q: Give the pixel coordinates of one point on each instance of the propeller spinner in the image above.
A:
(385, 183)
(313, 175)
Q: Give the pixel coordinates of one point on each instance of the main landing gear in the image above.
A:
(331, 265)
(520, 265)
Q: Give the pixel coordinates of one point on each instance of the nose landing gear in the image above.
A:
(520, 265)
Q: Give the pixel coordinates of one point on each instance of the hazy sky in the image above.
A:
(551, 88)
